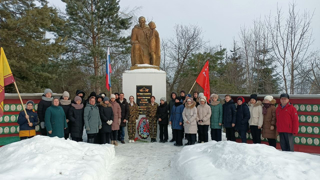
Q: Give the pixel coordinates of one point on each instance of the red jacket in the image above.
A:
(287, 119)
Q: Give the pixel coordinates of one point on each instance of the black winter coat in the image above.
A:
(229, 114)
(42, 107)
(106, 113)
(163, 113)
(124, 111)
(242, 117)
(76, 122)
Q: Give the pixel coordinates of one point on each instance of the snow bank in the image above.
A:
(54, 158)
(229, 160)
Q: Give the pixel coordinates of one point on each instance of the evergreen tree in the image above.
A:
(23, 28)
(92, 27)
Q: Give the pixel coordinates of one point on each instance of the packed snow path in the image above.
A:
(142, 160)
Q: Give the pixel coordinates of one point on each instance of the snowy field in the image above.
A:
(54, 158)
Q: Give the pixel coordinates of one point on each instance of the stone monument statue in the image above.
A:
(145, 40)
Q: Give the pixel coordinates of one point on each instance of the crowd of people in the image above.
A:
(190, 116)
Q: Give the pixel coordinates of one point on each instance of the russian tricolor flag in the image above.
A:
(108, 72)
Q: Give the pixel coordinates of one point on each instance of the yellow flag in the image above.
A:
(6, 77)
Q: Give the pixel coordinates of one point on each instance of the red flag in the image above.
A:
(203, 80)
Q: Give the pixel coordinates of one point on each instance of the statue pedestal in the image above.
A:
(144, 66)
(141, 83)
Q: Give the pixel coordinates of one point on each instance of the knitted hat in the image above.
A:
(102, 95)
(30, 102)
(189, 95)
(105, 99)
(268, 97)
(46, 91)
(65, 94)
(189, 99)
(112, 96)
(163, 99)
(241, 99)
(77, 98)
(285, 95)
(254, 96)
(201, 95)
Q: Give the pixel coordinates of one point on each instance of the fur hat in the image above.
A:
(65, 94)
(254, 96)
(214, 95)
(268, 97)
(203, 98)
(112, 96)
(46, 91)
(77, 98)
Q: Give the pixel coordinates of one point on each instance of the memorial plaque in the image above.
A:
(144, 94)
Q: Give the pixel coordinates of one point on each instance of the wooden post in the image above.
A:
(192, 86)
(110, 91)
(24, 109)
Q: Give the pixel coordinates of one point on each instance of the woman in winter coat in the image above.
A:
(216, 117)
(55, 120)
(204, 114)
(45, 102)
(242, 118)
(163, 120)
(133, 116)
(190, 121)
(269, 130)
(229, 118)
(76, 119)
(171, 104)
(176, 121)
(65, 103)
(256, 118)
(116, 119)
(27, 130)
(92, 120)
(106, 115)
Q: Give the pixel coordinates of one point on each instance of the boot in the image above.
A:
(112, 142)
(116, 143)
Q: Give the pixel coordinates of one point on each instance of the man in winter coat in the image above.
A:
(287, 123)
(124, 117)
(256, 118)
(204, 114)
(242, 119)
(229, 118)
(27, 130)
(92, 120)
(45, 102)
(162, 115)
(171, 104)
(151, 114)
(133, 116)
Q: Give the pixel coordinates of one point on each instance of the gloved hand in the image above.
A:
(109, 122)
(87, 129)
(100, 127)
(42, 125)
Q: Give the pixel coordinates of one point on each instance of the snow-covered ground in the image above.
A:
(230, 160)
(54, 158)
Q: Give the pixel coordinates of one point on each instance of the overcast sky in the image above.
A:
(220, 20)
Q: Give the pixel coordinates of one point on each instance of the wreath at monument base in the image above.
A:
(143, 128)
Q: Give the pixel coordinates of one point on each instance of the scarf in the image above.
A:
(265, 108)
(214, 103)
(77, 106)
(65, 102)
(47, 99)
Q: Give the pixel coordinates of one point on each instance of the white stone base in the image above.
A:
(148, 77)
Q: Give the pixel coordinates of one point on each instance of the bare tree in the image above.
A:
(187, 40)
(291, 39)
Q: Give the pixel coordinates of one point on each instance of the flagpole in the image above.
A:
(110, 91)
(24, 109)
(192, 87)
